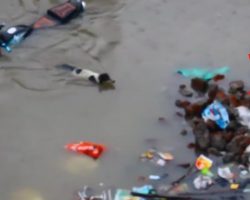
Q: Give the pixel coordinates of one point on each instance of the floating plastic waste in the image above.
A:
(218, 113)
(205, 74)
(202, 182)
(203, 162)
(87, 148)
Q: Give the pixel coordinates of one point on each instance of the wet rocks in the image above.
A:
(218, 141)
(212, 91)
(184, 91)
(214, 151)
(184, 132)
(199, 85)
(162, 120)
(229, 157)
(201, 133)
(195, 109)
(235, 86)
(182, 104)
(230, 141)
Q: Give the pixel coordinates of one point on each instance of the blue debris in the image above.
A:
(146, 189)
(218, 113)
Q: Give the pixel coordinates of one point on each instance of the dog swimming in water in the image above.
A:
(103, 80)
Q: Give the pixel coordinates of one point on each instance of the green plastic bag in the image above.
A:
(204, 74)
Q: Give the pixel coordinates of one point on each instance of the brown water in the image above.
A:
(141, 44)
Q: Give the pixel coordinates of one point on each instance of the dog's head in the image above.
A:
(105, 82)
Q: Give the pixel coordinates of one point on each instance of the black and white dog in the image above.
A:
(101, 79)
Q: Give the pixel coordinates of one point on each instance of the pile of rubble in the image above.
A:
(220, 118)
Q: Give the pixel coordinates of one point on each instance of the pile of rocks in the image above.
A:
(231, 142)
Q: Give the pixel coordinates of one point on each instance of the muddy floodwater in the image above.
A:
(141, 44)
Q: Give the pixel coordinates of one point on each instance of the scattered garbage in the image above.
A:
(87, 194)
(220, 122)
(154, 177)
(203, 73)
(206, 172)
(203, 162)
(244, 174)
(202, 182)
(146, 189)
(218, 113)
(157, 177)
(148, 154)
(225, 172)
(90, 149)
(166, 156)
(122, 194)
(158, 158)
(234, 186)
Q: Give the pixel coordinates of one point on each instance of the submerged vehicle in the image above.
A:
(60, 14)
(13, 36)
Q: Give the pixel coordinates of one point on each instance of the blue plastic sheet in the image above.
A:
(204, 74)
(218, 113)
(146, 189)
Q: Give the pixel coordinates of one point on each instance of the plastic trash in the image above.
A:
(203, 73)
(86, 194)
(154, 177)
(122, 194)
(202, 182)
(247, 190)
(157, 177)
(166, 156)
(244, 174)
(203, 162)
(206, 172)
(244, 114)
(147, 155)
(154, 156)
(160, 162)
(225, 172)
(218, 113)
(234, 186)
(146, 189)
(87, 148)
